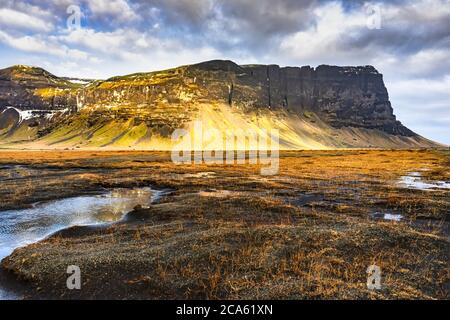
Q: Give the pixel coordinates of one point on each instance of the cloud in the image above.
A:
(185, 15)
(266, 18)
(429, 93)
(424, 64)
(37, 45)
(120, 44)
(322, 41)
(119, 10)
(422, 104)
(105, 42)
(131, 46)
(406, 29)
(18, 20)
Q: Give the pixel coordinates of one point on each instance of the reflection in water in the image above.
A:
(21, 227)
(387, 216)
(414, 181)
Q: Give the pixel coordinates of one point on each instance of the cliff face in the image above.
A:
(343, 96)
(28, 88)
(340, 97)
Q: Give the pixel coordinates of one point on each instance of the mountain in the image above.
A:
(313, 108)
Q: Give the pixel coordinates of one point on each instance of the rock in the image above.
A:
(139, 213)
(164, 100)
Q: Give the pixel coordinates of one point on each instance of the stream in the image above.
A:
(21, 227)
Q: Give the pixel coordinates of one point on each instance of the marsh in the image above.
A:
(227, 232)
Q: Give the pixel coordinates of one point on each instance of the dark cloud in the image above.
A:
(259, 17)
(266, 18)
(228, 24)
(179, 15)
(256, 25)
(404, 33)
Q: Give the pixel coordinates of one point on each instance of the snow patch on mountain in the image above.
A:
(33, 114)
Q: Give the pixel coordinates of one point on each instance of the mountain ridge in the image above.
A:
(331, 102)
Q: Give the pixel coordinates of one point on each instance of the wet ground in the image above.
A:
(414, 180)
(21, 227)
(322, 210)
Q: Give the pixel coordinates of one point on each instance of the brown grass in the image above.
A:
(306, 233)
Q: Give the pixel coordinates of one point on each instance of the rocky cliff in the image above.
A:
(29, 88)
(147, 105)
(343, 96)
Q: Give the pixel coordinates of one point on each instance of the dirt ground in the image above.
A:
(227, 232)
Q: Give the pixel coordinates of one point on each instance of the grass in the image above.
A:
(54, 92)
(141, 79)
(306, 233)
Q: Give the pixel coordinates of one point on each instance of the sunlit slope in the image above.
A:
(305, 131)
(311, 108)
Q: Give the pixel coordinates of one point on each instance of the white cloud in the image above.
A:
(38, 45)
(19, 20)
(106, 42)
(427, 63)
(423, 89)
(137, 48)
(423, 105)
(321, 41)
(73, 69)
(118, 9)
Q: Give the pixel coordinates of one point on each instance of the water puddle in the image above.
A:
(217, 193)
(305, 200)
(414, 181)
(194, 175)
(25, 226)
(387, 216)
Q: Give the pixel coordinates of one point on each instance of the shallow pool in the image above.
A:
(24, 226)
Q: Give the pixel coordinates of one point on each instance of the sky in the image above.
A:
(408, 41)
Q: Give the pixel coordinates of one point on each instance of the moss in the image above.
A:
(52, 92)
(132, 136)
(141, 79)
(308, 115)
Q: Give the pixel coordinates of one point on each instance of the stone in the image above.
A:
(340, 96)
